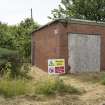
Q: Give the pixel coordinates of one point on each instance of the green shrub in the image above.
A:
(20, 72)
(10, 59)
(102, 79)
(10, 88)
(54, 85)
(12, 64)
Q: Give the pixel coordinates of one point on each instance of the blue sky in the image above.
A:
(13, 11)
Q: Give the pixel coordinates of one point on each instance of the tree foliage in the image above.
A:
(22, 34)
(15, 45)
(18, 37)
(81, 9)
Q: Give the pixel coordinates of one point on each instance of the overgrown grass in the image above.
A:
(53, 85)
(48, 86)
(10, 88)
(102, 79)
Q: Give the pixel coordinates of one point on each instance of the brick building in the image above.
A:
(80, 42)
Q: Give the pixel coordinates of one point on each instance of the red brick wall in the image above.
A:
(49, 45)
(46, 45)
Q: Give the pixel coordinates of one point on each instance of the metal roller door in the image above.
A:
(84, 53)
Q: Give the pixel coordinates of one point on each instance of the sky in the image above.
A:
(14, 11)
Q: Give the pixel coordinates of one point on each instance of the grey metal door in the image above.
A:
(84, 53)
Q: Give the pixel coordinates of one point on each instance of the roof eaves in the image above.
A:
(49, 23)
(89, 22)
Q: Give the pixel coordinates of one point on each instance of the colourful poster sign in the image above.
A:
(56, 66)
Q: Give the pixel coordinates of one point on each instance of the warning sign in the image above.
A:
(59, 62)
(56, 66)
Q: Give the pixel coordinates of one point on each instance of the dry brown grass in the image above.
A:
(89, 82)
(37, 73)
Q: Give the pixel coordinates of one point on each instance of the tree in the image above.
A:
(18, 37)
(15, 46)
(22, 39)
(6, 39)
(81, 9)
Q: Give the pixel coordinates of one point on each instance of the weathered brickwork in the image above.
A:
(51, 41)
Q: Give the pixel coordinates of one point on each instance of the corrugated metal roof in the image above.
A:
(72, 21)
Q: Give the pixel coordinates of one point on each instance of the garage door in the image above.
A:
(84, 53)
